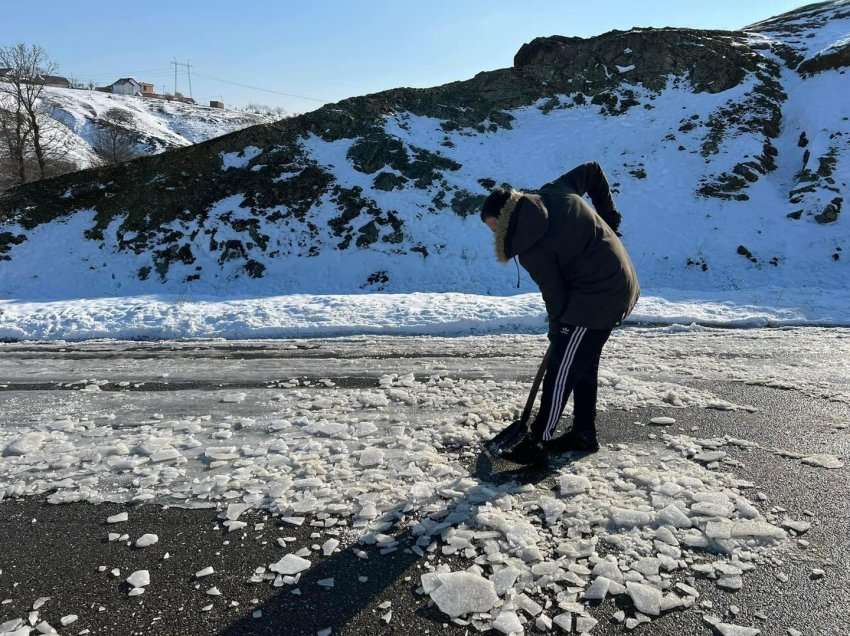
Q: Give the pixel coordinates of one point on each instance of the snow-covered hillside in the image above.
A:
(729, 153)
(154, 125)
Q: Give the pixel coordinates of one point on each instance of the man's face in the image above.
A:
(491, 222)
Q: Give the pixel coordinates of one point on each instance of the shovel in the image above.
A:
(513, 434)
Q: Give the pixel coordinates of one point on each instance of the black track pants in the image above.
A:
(573, 367)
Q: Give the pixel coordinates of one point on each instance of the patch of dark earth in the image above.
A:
(55, 550)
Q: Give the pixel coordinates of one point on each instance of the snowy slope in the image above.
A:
(155, 125)
(728, 152)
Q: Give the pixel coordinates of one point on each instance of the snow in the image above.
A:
(161, 124)
(239, 160)
(300, 315)
(118, 518)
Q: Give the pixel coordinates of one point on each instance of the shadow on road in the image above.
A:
(389, 577)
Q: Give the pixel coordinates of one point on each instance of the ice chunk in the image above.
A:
(627, 518)
(289, 565)
(463, 593)
(585, 624)
(647, 566)
(329, 546)
(687, 589)
(371, 457)
(598, 590)
(573, 485)
(608, 569)
(25, 444)
(797, 526)
(528, 605)
(670, 602)
(234, 511)
(12, 625)
(139, 578)
(672, 515)
(233, 398)
(823, 460)
(713, 509)
(564, 621)
(146, 540)
(504, 579)
(662, 421)
(756, 530)
(647, 599)
(167, 454)
(39, 602)
(118, 518)
(205, 572)
(727, 629)
(507, 623)
(430, 581)
(707, 457)
(731, 583)
(543, 623)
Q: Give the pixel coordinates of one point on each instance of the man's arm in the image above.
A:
(588, 178)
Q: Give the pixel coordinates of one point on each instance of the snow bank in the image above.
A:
(301, 315)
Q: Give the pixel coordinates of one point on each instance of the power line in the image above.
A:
(257, 88)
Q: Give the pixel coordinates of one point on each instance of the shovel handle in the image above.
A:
(535, 386)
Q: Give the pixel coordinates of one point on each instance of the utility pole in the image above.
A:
(188, 68)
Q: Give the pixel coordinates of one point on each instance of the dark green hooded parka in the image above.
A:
(582, 268)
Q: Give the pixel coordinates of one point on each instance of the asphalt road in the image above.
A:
(55, 551)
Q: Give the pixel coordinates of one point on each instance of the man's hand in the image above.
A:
(554, 328)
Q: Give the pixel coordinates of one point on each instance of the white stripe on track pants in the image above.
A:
(573, 368)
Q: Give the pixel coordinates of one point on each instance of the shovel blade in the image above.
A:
(506, 439)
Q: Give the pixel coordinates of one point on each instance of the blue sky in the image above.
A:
(325, 49)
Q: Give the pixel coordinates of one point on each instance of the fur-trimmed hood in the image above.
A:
(522, 222)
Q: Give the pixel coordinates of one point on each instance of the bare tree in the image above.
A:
(14, 135)
(23, 82)
(114, 140)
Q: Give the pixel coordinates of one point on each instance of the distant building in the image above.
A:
(56, 80)
(47, 80)
(215, 103)
(125, 86)
(147, 88)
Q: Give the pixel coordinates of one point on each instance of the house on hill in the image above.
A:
(47, 80)
(56, 80)
(124, 86)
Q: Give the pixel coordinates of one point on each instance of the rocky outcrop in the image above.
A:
(834, 58)
(713, 61)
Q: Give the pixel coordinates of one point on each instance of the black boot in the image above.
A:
(577, 441)
(528, 452)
